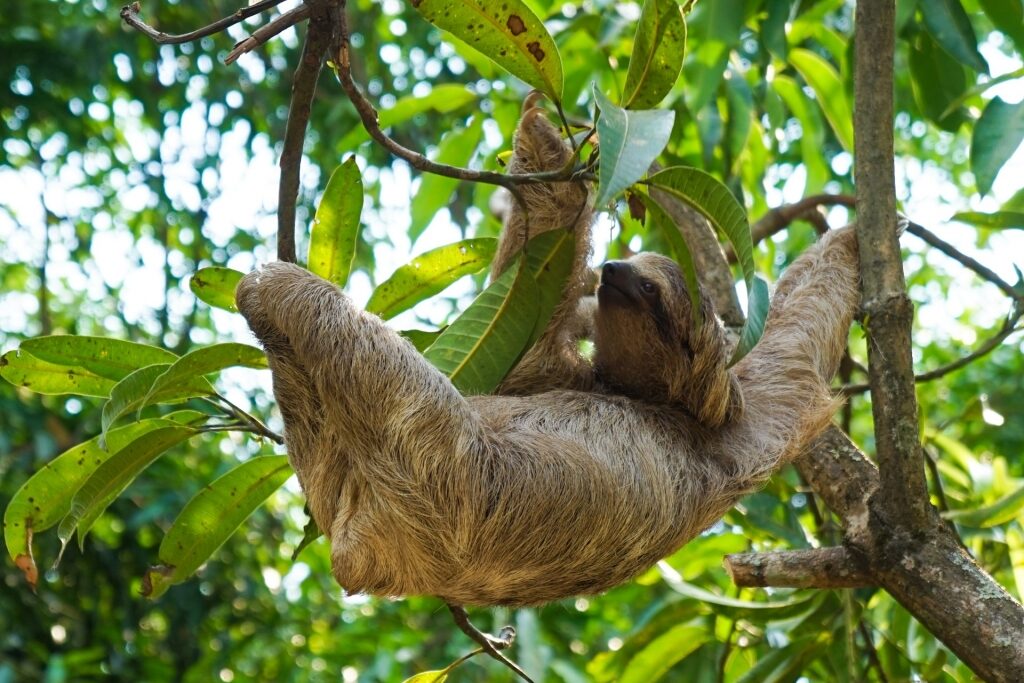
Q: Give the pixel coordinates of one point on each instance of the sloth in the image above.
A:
(577, 474)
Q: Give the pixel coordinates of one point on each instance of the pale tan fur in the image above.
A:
(525, 499)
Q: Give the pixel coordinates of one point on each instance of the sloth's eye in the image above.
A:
(648, 287)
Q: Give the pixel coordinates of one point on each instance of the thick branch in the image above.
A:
(888, 311)
(319, 38)
(130, 15)
(819, 568)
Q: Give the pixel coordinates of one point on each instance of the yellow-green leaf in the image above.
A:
(209, 519)
(508, 32)
(332, 241)
(216, 286)
(430, 273)
(658, 49)
(828, 90)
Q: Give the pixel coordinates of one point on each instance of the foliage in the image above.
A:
(139, 171)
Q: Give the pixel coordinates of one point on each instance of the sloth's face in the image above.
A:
(643, 324)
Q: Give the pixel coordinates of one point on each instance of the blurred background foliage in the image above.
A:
(125, 166)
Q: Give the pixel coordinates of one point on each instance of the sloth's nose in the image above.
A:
(612, 271)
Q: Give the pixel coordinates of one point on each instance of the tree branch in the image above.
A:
(368, 116)
(888, 312)
(265, 33)
(130, 15)
(836, 567)
(320, 36)
(949, 250)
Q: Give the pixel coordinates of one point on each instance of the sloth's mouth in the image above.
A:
(610, 295)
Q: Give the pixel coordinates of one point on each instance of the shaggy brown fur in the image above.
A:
(525, 499)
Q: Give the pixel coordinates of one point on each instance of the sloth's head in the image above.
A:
(647, 345)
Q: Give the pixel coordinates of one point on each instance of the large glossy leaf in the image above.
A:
(938, 80)
(204, 361)
(216, 286)
(479, 347)
(209, 519)
(630, 142)
(430, 273)
(655, 660)
(949, 24)
(332, 241)
(828, 90)
(680, 251)
(46, 497)
(997, 220)
(455, 149)
(22, 369)
(436, 676)
(997, 135)
(549, 258)
(786, 663)
(72, 364)
(133, 393)
(714, 34)
(658, 49)
(714, 200)
(508, 32)
(113, 475)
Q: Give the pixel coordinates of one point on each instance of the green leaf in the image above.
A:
(421, 339)
(204, 361)
(22, 369)
(209, 519)
(133, 393)
(310, 532)
(773, 29)
(680, 251)
(786, 663)
(1000, 512)
(46, 497)
(113, 475)
(997, 220)
(658, 49)
(509, 33)
(455, 149)
(438, 676)
(949, 24)
(828, 90)
(216, 286)
(479, 348)
(812, 135)
(714, 200)
(655, 660)
(549, 258)
(1008, 17)
(996, 137)
(332, 241)
(937, 80)
(630, 141)
(430, 273)
(735, 608)
(72, 364)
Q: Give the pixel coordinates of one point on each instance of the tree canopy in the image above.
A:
(138, 178)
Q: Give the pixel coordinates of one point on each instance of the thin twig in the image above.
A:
(265, 33)
(949, 250)
(130, 15)
(368, 116)
(239, 414)
(872, 652)
(489, 643)
(319, 38)
(1009, 327)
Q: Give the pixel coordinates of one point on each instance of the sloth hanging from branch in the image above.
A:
(577, 474)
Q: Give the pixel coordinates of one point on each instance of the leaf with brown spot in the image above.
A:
(507, 32)
(46, 497)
